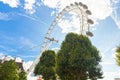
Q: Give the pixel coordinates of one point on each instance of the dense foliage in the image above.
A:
(78, 59)
(22, 75)
(46, 66)
(9, 71)
(118, 55)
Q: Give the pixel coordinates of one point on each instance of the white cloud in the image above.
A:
(71, 25)
(26, 65)
(52, 13)
(29, 6)
(8, 57)
(1, 55)
(11, 3)
(116, 18)
(99, 9)
(115, 1)
(107, 63)
(114, 52)
(7, 16)
(2, 47)
(4, 16)
(26, 42)
(31, 18)
(114, 49)
(28, 56)
(111, 75)
(51, 3)
(115, 13)
(18, 59)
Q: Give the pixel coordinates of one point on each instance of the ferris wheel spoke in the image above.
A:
(82, 11)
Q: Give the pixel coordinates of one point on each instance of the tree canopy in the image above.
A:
(9, 71)
(22, 75)
(118, 55)
(78, 59)
(47, 65)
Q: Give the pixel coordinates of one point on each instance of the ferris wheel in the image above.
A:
(82, 11)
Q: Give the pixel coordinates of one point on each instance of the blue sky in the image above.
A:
(24, 23)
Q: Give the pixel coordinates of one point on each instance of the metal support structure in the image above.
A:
(82, 11)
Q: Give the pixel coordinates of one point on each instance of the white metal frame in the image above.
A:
(83, 12)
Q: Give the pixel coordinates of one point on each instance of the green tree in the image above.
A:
(22, 75)
(9, 71)
(118, 55)
(0, 71)
(78, 59)
(46, 66)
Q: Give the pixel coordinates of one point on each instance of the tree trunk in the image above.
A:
(79, 76)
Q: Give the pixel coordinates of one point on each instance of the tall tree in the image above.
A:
(118, 55)
(9, 71)
(78, 59)
(0, 71)
(46, 66)
(22, 75)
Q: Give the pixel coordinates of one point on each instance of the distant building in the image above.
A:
(19, 64)
(117, 78)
